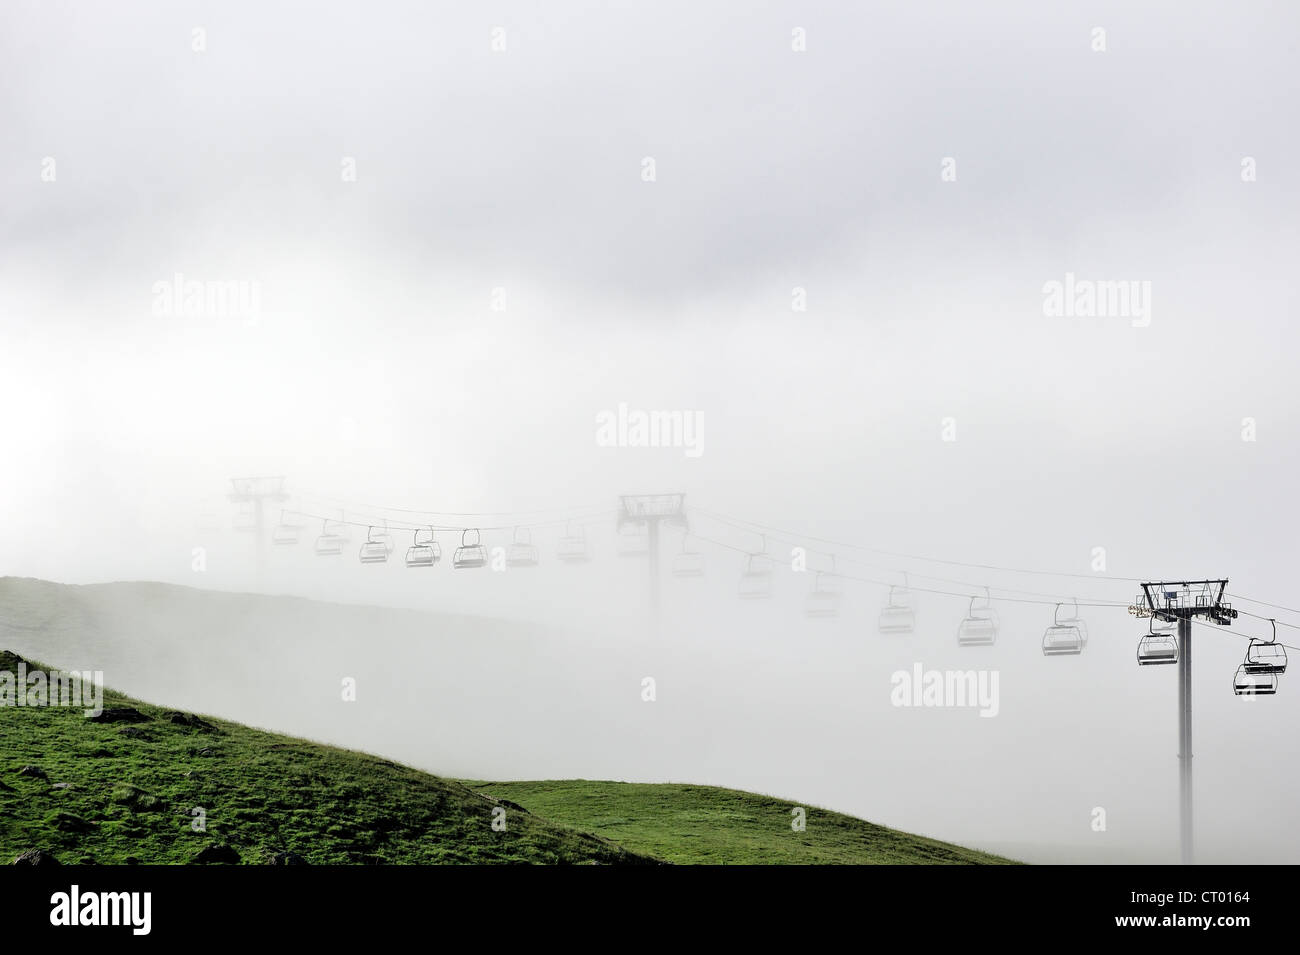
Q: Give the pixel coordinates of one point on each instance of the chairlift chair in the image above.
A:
(1063, 637)
(285, 534)
(328, 544)
(423, 552)
(823, 600)
(688, 563)
(375, 548)
(1074, 620)
(979, 628)
(469, 555)
(573, 546)
(1266, 656)
(897, 615)
(756, 578)
(633, 539)
(522, 553)
(1247, 682)
(1157, 647)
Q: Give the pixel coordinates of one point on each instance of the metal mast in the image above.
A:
(1183, 601)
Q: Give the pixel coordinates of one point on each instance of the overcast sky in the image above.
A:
(376, 369)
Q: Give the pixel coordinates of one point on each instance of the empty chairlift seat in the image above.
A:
(823, 600)
(469, 554)
(329, 543)
(1266, 656)
(424, 550)
(1064, 637)
(979, 628)
(1247, 682)
(1157, 648)
(522, 553)
(376, 547)
(633, 539)
(756, 577)
(897, 616)
(572, 548)
(688, 563)
(286, 534)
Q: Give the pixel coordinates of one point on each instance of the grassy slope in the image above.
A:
(263, 793)
(706, 824)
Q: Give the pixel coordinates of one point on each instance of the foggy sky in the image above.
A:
(378, 372)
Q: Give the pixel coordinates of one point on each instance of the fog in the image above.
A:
(862, 338)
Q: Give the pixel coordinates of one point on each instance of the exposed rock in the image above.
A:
(36, 857)
(133, 732)
(63, 786)
(216, 855)
(119, 714)
(70, 822)
(187, 719)
(33, 771)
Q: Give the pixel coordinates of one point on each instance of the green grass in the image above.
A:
(130, 797)
(706, 824)
(115, 797)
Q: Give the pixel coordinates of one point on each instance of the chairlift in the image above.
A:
(633, 539)
(522, 553)
(1157, 647)
(824, 598)
(329, 544)
(1063, 637)
(897, 615)
(423, 552)
(1266, 656)
(1074, 620)
(285, 534)
(573, 545)
(979, 628)
(469, 555)
(756, 578)
(1247, 682)
(376, 547)
(688, 563)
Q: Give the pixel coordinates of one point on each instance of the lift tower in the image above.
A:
(651, 510)
(255, 491)
(1183, 601)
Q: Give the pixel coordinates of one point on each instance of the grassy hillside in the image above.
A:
(706, 824)
(116, 791)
